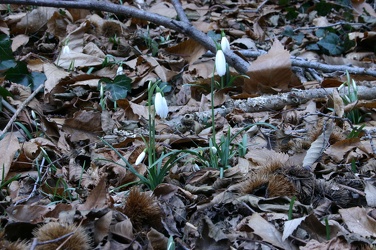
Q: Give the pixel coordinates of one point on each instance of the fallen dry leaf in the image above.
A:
(269, 73)
(9, 146)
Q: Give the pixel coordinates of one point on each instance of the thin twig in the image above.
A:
(21, 107)
(257, 10)
(328, 26)
(370, 138)
(69, 237)
(36, 243)
(352, 189)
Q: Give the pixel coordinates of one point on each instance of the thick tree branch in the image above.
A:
(179, 9)
(186, 28)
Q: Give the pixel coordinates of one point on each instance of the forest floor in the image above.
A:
(290, 164)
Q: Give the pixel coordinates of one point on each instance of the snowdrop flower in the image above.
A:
(225, 45)
(120, 70)
(65, 50)
(140, 158)
(161, 107)
(213, 150)
(220, 63)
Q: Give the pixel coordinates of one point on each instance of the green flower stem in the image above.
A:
(151, 144)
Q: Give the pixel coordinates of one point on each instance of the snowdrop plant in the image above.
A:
(220, 67)
(158, 164)
(355, 116)
(222, 152)
(160, 108)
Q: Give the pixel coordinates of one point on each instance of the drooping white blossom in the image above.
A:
(120, 70)
(220, 63)
(65, 50)
(225, 45)
(140, 158)
(161, 107)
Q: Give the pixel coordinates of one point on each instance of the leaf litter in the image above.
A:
(307, 184)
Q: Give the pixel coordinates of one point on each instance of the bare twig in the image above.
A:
(352, 189)
(257, 10)
(328, 26)
(21, 107)
(36, 243)
(300, 62)
(369, 137)
(186, 28)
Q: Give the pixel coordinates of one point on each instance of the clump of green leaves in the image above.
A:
(221, 153)
(356, 132)
(117, 88)
(354, 115)
(331, 42)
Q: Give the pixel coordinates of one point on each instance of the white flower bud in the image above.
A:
(120, 70)
(161, 107)
(225, 45)
(220, 63)
(140, 158)
(65, 50)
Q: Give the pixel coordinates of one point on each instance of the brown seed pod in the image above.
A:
(256, 185)
(112, 28)
(9, 245)
(78, 241)
(17, 245)
(143, 210)
(280, 186)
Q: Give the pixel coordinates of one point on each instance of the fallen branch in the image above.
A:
(294, 97)
(180, 26)
(278, 102)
